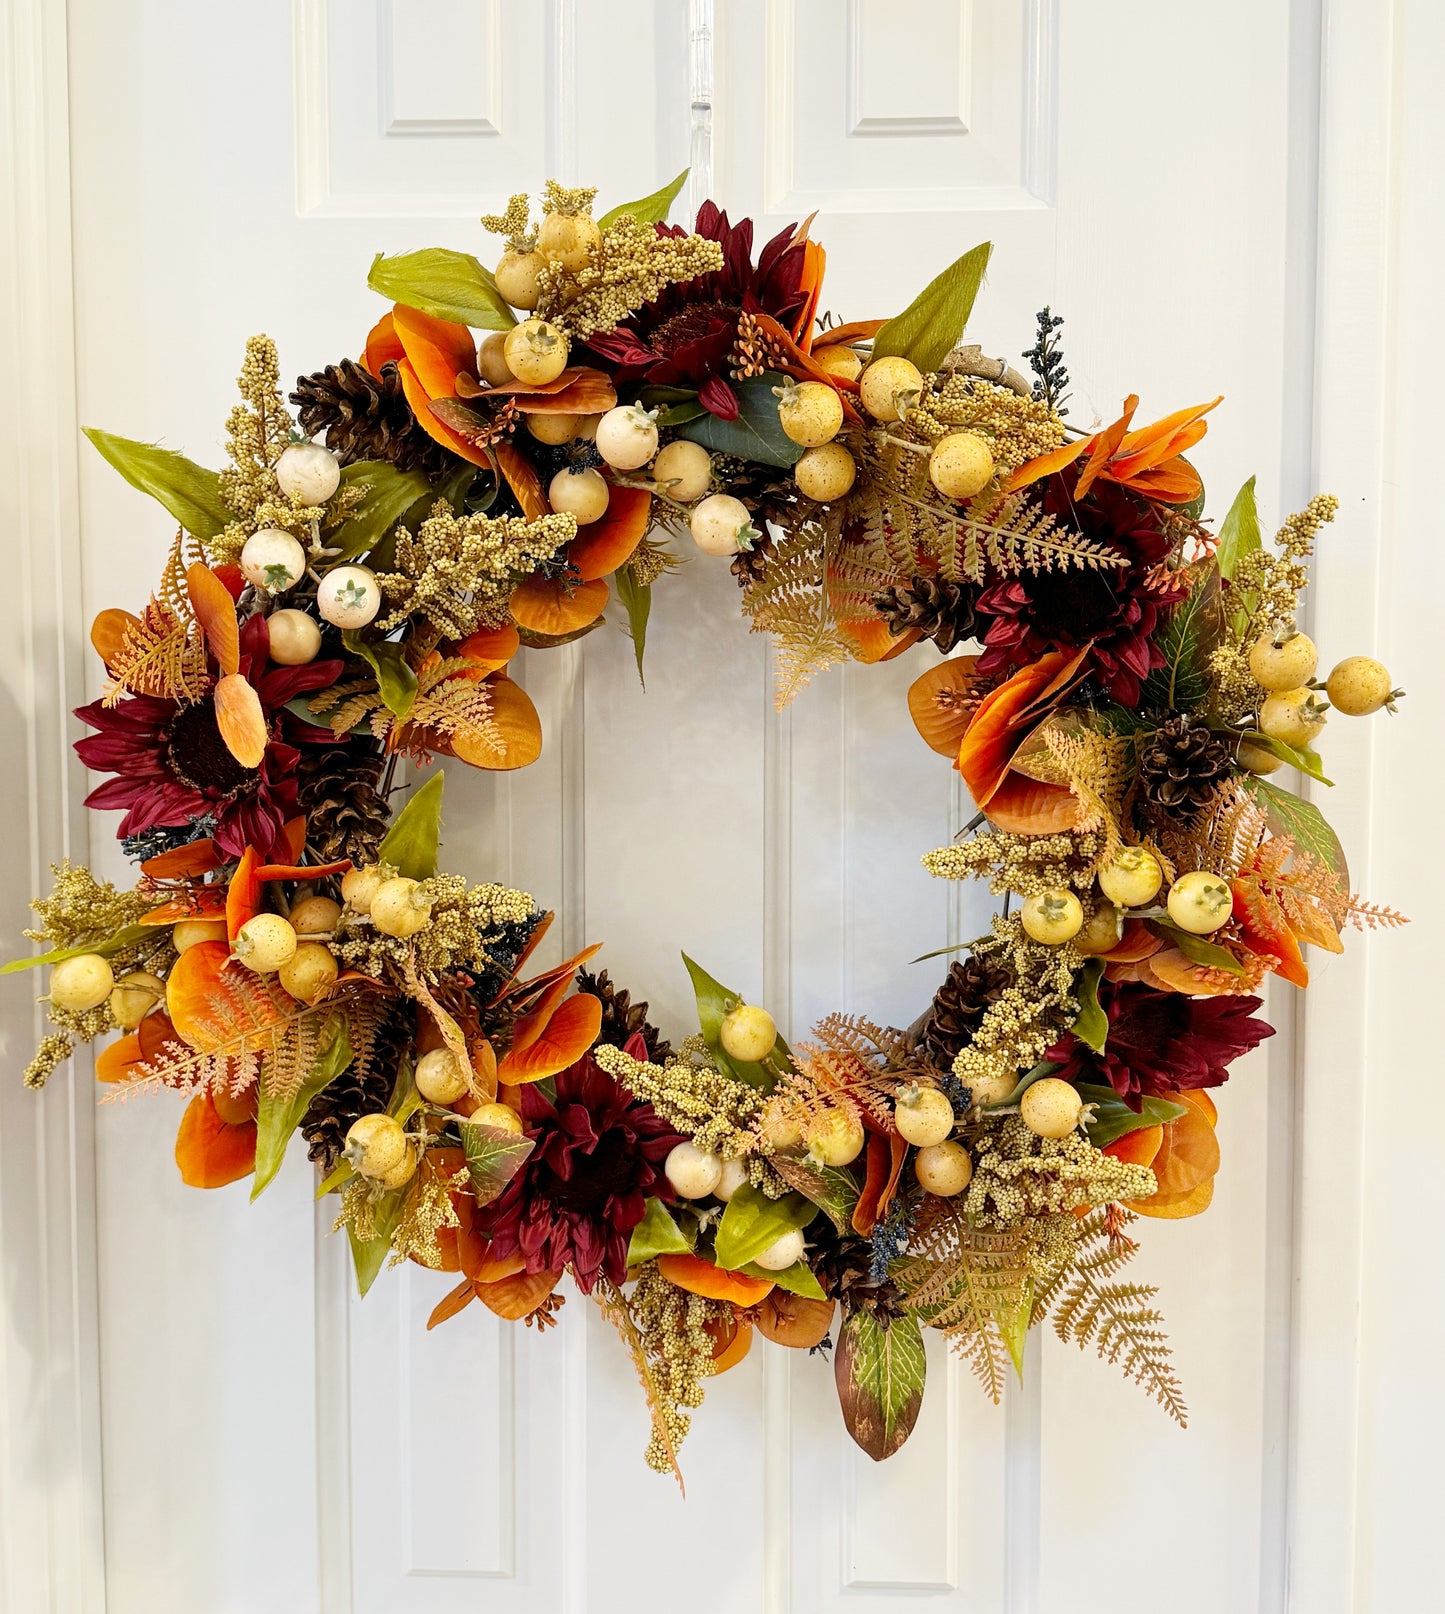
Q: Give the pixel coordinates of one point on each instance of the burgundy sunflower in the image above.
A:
(1113, 610)
(1162, 1042)
(172, 765)
(599, 1155)
(684, 337)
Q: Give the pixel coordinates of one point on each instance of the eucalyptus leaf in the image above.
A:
(657, 1234)
(1112, 1117)
(394, 677)
(412, 841)
(929, 328)
(390, 494)
(833, 1190)
(1207, 954)
(880, 1371)
(752, 1221)
(757, 434)
(1239, 533)
(649, 209)
(636, 600)
(494, 1157)
(797, 1279)
(368, 1256)
(128, 936)
(450, 285)
(190, 492)
(1298, 756)
(1303, 822)
(278, 1116)
(1091, 1026)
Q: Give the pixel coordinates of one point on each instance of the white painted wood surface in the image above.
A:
(193, 1413)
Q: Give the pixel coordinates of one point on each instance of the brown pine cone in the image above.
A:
(346, 815)
(364, 1088)
(367, 417)
(621, 1017)
(940, 610)
(970, 988)
(747, 565)
(1180, 769)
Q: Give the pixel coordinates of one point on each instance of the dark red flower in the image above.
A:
(1115, 610)
(599, 1155)
(1162, 1042)
(684, 337)
(172, 766)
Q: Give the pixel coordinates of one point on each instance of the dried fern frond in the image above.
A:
(1364, 915)
(854, 1067)
(1286, 885)
(790, 601)
(450, 703)
(1092, 765)
(163, 652)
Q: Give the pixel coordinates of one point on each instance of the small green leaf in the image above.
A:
(929, 328)
(752, 1222)
(412, 841)
(880, 1373)
(394, 677)
(650, 209)
(1092, 1025)
(657, 1234)
(833, 1190)
(797, 1279)
(1207, 954)
(450, 285)
(189, 491)
(1238, 533)
(636, 600)
(679, 414)
(1014, 1328)
(338, 1177)
(277, 1117)
(1037, 1074)
(714, 1000)
(1303, 822)
(368, 1256)
(1112, 1117)
(757, 434)
(1298, 756)
(1192, 631)
(127, 937)
(390, 494)
(494, 1157)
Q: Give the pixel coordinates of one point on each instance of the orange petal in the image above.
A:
(1173, 434)
(216, 612)
(416, 396)
(1266, 934)
(797, 362)
(383, 345)
(517, 1297)
(1177, 482)
(117, 1063)
(439, 350)
(184, 862)
(530, 1026)
(569, 1033)
(607, 543)
(243, 897)
(1137, 1148)
(1105, 445)
(241, 720)
(700, 1276)
(457, 1300)
(209, 1152)
(856, 330)
(108, 634)
(490, 648)
(546, 605)
(940, 703)
(997, 728)
(521, 476)
(1035, 470)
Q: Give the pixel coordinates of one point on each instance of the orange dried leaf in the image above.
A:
(1176, 1205)
(383, 345)
(568, 1034)
(184, 862)
(700, 1276)
(871, 643)
(732, 1340)
(547, 605)
(1137, 1148)
(490, 648)
(209, 1151)
(108, 634)
(216, 612)
(118, 1062)
(603, 545)
(517, 1297)
(243, 897)
(437, 349)
(1188, 1153)
(515, 719)
(521, 476)
(419, 399)
(457, 1300)
(200, 902)
(941, 703)
(241, 720)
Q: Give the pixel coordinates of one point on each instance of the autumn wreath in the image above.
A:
(351, 594)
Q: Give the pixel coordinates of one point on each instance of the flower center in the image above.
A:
(198, 756)
(692, 324)
(611, 1168)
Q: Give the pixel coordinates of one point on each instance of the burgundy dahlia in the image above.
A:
(1113, 610)
(172, 766)
(1162, 1042)
(599, 1155)
(684, 337)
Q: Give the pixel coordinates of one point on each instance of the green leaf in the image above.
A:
(390, 494)
(450, 285)
(879, 1372)
(394, 677)
(929, 328)
(494, 1157)
(636, 600)
(338, 1177)
(189, 491)
(657, 1234)
(368, 1256)
(1037, 1074)
(752, 1221)
(650, 209)
(1298, 756)
(797, 1279)
(412, 841)
(1238, 533)
(1014, 1328)
(1092, 1025)
(714, 1000)
(833, 1190)
(1303, 822)
(679, 414)
(757, 434)
(126, 937)
(1208, 954)
(1192, 631)
(277, 1118)
(1112, 1117)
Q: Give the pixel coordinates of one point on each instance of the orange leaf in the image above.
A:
(216, 612)
(241, 720)
(569, 1033)
(243, 897)
(1103, 445)
(1176, 482)
(156, 1032)
(1137, 942)
(194, 978)
(517, 1297)
(700, 1276)
(856, 330)
(118, 1062)
(235, 1109)
(210, 1152)
(184, 862)
(1137, 1148)
(416, 395)
(490, 648)
(1002, 718)
(588, 392)
(457, 1300)
(798, 363)
(1268, 939)
(939, 703)
(871, 643)
(521, 729)
(533, 389)
(530, 1026)
(547, 605)
(732, 1339)
(1188, 1154)
(383, 345)
(200, 902)
(884, 1164)
(293, 839)
(1035, 470)
(607, 543)
(108, 634)
(438, 349)
(1023, 806)
(521, 476)
(1171, 971)
(301, 871)
(1176, 1205)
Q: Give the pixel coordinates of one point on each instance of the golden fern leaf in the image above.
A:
(458, 707)
(790, 602)
(868, 1040)
(1372, 916)
(1091, 764)
(163, 652)
(617, 1312)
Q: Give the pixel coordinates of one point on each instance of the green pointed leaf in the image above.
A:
(368, 1256)
(189, 491)
(494, 1157)
(337, 1178)
(757, 434)
(1192, 631)
(1013, 1329)
(679, 414)
(1207, 954)
(1303, 822)
(1298, 756)
(1238, 533)
(879, 1372)
(714, 1000)
(929, 328)
(277, 1117)
(412, 841)
(752, 1221)
(1092, 1025)
(797, 1279)
(657, 1234)
(450, 285)
(833, 1190)
(126, 937)
(394, 677)
(1112, 1117)
(390, 495)
(1037, 1074)
(636, 600)
(650, 209)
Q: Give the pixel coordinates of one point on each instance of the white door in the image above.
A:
(194, 1413)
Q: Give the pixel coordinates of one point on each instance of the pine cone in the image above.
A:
(843, 1265)
(621, 1017)
(1181, 768)
(362, 1089)
(747, 565)
(346, 815)
(940, 610)
(970, 988)
(367, 417)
